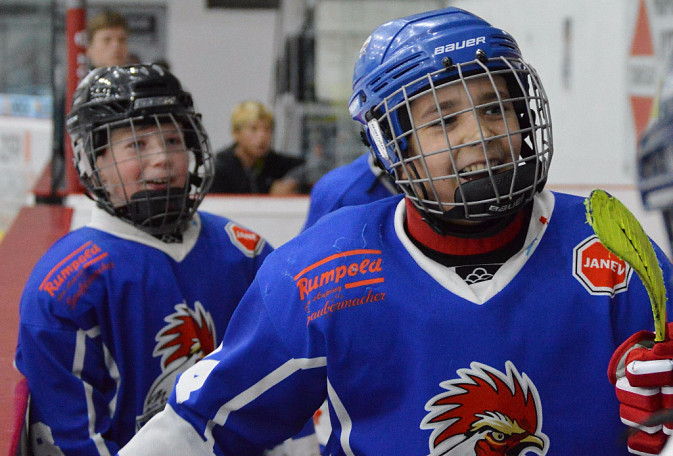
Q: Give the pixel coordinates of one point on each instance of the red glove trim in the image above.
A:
(647, 444)
(617, 362)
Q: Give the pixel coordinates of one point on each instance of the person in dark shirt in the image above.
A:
(249, 165)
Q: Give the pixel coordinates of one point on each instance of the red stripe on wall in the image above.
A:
(33, 231)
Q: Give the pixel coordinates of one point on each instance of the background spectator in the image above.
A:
(249, 165)
(107, 35)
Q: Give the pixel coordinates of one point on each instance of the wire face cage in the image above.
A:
(474, 145)
(152, 171)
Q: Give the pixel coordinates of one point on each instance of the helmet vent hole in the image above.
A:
(379, 87)
(154, 85)
(406, 70)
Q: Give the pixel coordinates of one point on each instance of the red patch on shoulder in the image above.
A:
(248, 242)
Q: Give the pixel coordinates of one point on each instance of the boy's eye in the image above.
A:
(495, 109)
(448, 120)
(498, 109)
(131, 145)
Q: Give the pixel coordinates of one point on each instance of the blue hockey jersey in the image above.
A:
(412, 359)
(108, 321)
(358, 182)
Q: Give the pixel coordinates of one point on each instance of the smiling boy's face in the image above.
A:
(446, 153)
(152, 157)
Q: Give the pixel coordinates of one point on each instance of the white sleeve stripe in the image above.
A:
(96, 437)
(272, 379)
(344, 419)
(269, 381)
(80, 349)
(113, 370)
(77, 368)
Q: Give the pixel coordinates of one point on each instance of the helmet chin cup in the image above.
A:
(158, 211)
(479, 196)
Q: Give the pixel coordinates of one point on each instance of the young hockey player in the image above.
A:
(114, 311)
(474, 315)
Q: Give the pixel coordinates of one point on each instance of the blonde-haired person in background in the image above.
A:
(249, 165)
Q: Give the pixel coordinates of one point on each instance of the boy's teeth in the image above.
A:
(478, 167)
(471, 168)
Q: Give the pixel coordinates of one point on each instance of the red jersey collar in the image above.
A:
(455, 245)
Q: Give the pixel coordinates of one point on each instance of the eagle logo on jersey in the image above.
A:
(485, 412)
(189, 333)
(188, 336)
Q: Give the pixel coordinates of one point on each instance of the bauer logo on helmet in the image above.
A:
(459, 45)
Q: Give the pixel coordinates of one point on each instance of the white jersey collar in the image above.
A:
(479, 293)
(103, 221)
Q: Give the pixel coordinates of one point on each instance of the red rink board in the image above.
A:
(33, 231)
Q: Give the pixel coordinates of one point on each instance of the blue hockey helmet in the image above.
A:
(655, 154)
(409, 57)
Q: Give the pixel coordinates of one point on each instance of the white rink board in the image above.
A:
(279, 219)
(651, 221)
(25, 150)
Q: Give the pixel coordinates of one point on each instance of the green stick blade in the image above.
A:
(621, 233)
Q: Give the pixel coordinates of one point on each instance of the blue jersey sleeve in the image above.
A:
(321, 202)
(56, 353)
(349, 185)
(228, 396)
(272, 379)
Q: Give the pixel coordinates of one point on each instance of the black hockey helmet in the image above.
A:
(134, 96)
